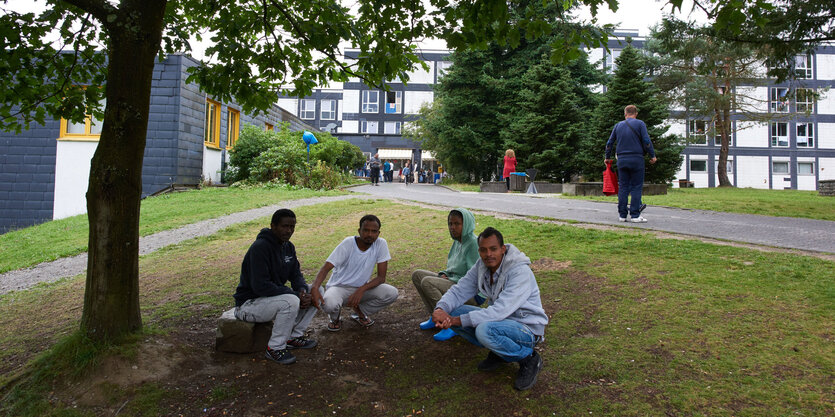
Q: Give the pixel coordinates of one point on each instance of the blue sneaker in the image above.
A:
(428, 324)
(444, 334)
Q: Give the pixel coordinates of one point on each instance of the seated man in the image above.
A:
(514, 321)
(354, 261)
(262, 295)
(462, 256)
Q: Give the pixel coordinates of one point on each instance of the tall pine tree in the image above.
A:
(629, 86)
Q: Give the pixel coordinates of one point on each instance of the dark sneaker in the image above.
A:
(301, 342)
(528, 371)
(282, 356)
(492, 362)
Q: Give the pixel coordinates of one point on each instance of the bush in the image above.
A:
(252, 142)
(323, 177)
(285, 161)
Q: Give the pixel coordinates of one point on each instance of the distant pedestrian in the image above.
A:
(387, 173)
(374, 163)
(408, 175)
(632, 143)
(509, 166)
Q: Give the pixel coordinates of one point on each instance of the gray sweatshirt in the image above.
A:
(514, 295)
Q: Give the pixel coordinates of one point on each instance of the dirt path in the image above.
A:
(73, 265)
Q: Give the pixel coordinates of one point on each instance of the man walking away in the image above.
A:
(374, 163)
(632, 143)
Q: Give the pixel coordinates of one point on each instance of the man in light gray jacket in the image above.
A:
(513, 322)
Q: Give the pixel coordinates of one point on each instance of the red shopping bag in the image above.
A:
(610, 180)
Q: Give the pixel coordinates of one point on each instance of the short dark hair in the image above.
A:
(281, 213)
(630, 109)
(489, 231)
(455, 213)
(370, 217)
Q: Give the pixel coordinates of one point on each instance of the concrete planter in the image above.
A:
(542, 187)
(826, 188)
(596, 188)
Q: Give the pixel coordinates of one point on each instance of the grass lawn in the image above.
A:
(787, 203)
(462, 186)
(639, 326)
(66, 237)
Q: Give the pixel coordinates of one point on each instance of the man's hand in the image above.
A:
(444, 320)
(443, 275)
(608, 161)
(652, 161)
(316, 298)
(305, 300)
(355, 298)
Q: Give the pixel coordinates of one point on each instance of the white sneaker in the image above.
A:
(621, 219)
(638, 219)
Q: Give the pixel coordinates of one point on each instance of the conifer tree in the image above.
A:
(629, 86)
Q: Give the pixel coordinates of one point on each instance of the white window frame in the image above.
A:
(371, 127)
(395, 131)
(729, 165)
(778, 140)
(327, 110)
(693, 132)
(443, 67)
(811, 168)
(704, 161)
(808, 104)
(775, 164)
(398, 102)
(803, 66)
(808, 135)
(307, 109)
(611, 56)
(778, 99)
(370, 105)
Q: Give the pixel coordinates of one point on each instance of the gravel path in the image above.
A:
(71, 266)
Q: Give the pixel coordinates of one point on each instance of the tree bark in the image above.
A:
(725, 127)
(111, 298)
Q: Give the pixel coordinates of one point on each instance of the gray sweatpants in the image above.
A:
(372, 301)
(283, 310)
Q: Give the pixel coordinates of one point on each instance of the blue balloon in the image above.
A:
(309, 138)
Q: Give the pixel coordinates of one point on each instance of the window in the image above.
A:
(233, 124)
(370, 101)
(728, 166)
(307, 109)
(803, 66)
(394, 102)
(779, 134)
(443, 68)
(778, 167)
(89, 129)
(268, 127)
(367, 126)
(611, 65)
(778, 99)
(391, 128)
(805, 135)
(805, 168)
(698, 166)
(697, 132)
(328, 111)
(805, 100)
(211, 132)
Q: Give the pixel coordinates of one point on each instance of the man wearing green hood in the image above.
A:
(462, 256)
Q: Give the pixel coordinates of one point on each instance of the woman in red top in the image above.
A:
(509, 166)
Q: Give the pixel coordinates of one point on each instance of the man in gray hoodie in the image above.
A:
(514, 320)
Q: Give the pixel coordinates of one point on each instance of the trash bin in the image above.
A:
(517, 181)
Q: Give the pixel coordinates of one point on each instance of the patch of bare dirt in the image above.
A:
(548, 264)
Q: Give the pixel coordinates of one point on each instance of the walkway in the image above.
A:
(783, 232)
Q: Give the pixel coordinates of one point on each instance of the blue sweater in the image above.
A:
(630, 144)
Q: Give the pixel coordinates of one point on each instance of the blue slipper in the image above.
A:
(444, 334)
(428, 324)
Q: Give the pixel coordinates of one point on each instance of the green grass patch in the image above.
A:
(783, 203)
(639, 325)
(462, 186)
(67, 237)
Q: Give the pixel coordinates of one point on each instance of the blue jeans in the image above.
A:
(630, 182)
(511, 340)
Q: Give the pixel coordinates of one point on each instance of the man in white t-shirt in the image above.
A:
(350, 285)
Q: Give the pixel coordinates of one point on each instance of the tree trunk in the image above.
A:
(111, 298)
(725, 128)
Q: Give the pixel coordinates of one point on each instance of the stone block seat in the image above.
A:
(236, 336)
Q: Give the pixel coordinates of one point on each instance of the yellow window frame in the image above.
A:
(268, 127)
(211, 135)
(233, 124)
(64, 134)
